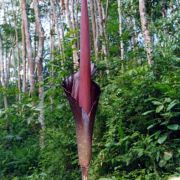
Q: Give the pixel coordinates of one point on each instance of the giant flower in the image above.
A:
(83, 95)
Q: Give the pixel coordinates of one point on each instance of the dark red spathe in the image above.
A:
(83, 95)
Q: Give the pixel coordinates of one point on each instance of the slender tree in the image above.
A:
(31, 64)
(145, 31)
(2, 73)
(120, 28)
(24, 83)
(55, 26)
(39, 62)
(71, 23)
(94, 31)
(17, 48)
(102, 28)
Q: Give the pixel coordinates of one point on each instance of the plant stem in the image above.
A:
(84, 178)
(84, 171)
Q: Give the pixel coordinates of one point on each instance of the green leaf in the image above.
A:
(151, 126)
(167, 99)
(167, 156)
(159, 108)
(162, 138)
(171, 105)
(173, 127)
(156, 102)
(147, 112)
(140, 152)
(162, 163)
(15, 178)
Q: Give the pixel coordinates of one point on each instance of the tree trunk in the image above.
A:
(28, 46)
(39, 62)
(93, 20)
(18, 51)
(55, 27)
(2, 75)
(103, 35)
(74, 46)
(107, 8)
(120, 29)
(97, 25)
(145, 31)
(69, 18)
(24, 88)
(102, 28)
(52, 30)
(134, 34)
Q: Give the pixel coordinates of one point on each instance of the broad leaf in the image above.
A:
(162, 138)
(173, 127)
(167, 156)
(171, 105)
(159, 108)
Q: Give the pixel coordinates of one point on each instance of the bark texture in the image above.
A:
(120, 28)
(94, 30)
(28, 47)
(69, 14)
(2, 74)
(145, 31)
(24, 88)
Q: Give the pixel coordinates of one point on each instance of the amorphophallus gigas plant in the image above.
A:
(83, 95)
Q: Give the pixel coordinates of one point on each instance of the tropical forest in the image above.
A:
(89, 90)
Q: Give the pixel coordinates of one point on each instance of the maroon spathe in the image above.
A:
(83, 95)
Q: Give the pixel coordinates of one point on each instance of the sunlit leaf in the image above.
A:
(159, 108)
(173, 127)
(147, 112)
(167, 155)
(162, 138)
(156, 102)
(171, 105)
